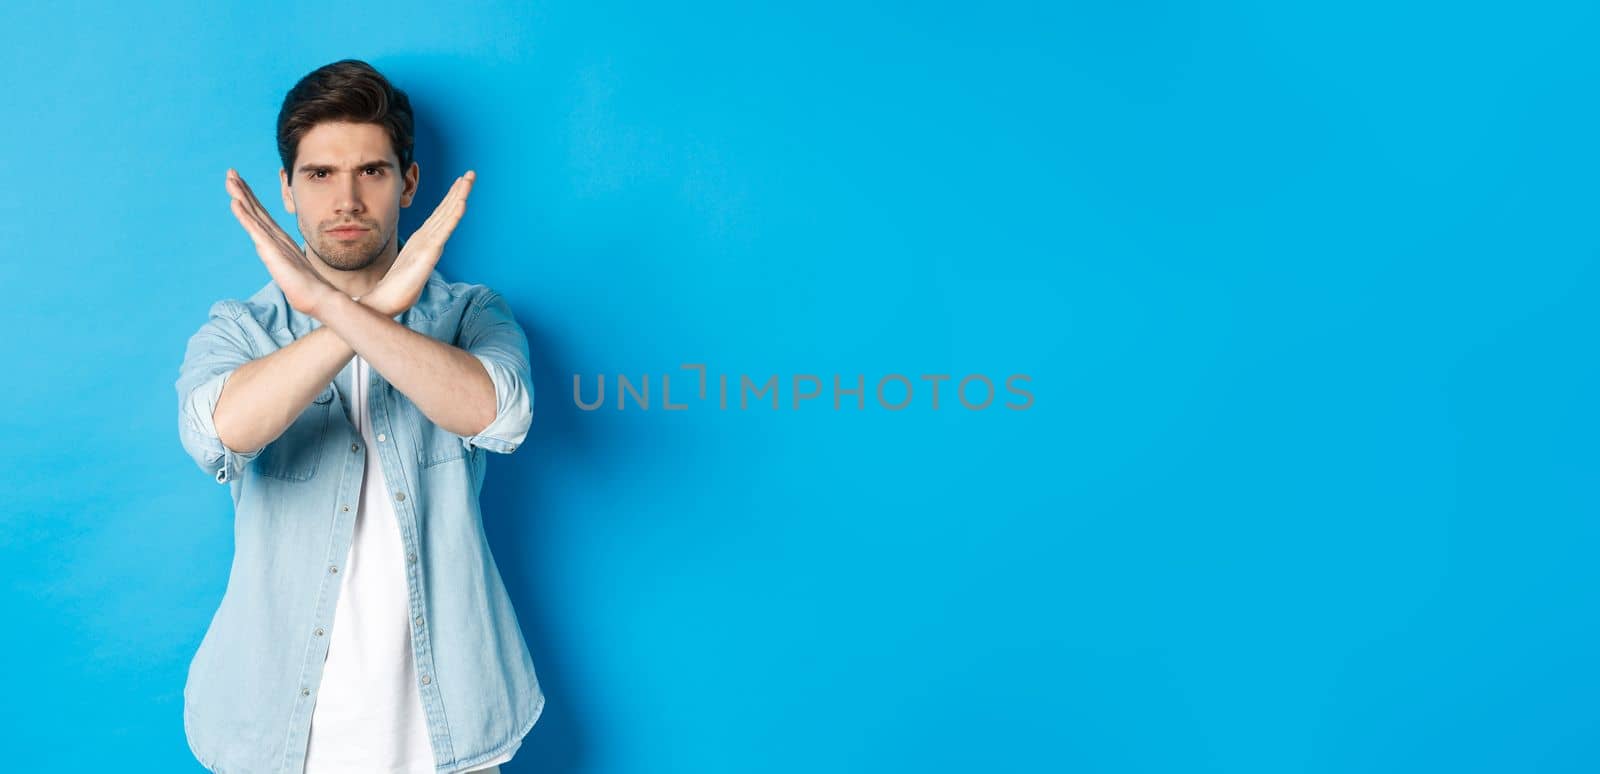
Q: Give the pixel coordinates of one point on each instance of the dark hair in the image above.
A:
(347, 90)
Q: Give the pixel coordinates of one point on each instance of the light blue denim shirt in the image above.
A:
(253, 681)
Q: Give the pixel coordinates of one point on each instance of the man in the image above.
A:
(349, 404)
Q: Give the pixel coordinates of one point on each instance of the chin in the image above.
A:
(354, 260)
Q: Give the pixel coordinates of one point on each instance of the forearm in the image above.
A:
(264, 396)
(446, 383)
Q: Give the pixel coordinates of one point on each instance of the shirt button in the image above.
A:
(419, 620)
(344, 507)
(333, 568)
(381, 438)
(412, 557)
(305, 691)
(399, 495)
(426, 679)
(355, 447)
(319, 631)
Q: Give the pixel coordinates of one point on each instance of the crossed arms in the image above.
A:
(233, 404)
(263, 396)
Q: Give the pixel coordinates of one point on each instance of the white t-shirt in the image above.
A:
(369, 716)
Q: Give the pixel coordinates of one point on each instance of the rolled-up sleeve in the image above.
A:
(490, 332)
(212, 355)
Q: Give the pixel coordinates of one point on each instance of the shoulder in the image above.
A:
(456, 292)
(240, 311)
(443, 296)
(266, 308)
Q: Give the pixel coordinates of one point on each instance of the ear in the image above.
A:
(288, 196)
(412, 175)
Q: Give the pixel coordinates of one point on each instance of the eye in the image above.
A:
(379, 170)
(316, 174)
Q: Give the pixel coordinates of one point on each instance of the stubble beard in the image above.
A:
(352, 256)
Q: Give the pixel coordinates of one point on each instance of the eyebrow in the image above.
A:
(327, 168)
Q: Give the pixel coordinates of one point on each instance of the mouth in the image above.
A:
(347, 233)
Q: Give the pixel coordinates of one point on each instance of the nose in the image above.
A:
(348, 200)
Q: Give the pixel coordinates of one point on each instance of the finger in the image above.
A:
(242, 194)
(459, 189)
(450, 197)
(259, 232)
(248, 196)
(246, 219)
(432, 234)
(250, 201)
(450, 208)
(263, 235)
(456, 197)
(449, 219)
(442, 221)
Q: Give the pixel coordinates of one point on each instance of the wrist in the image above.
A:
(377, 301)
(326, 296)
(327, 303)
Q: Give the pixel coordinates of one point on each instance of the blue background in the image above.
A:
(1306, 296)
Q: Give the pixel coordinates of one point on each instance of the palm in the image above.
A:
(403, 284)
(302, 286)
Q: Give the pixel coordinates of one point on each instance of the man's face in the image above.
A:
(346, 192)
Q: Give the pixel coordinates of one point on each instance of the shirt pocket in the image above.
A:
(438, 445)
(293, 456)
